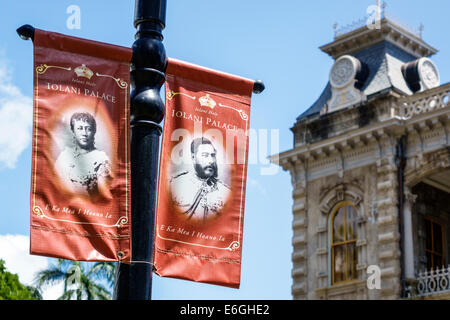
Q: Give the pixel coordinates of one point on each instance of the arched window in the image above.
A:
(344, 255)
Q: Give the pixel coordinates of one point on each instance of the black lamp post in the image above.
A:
(134, 281)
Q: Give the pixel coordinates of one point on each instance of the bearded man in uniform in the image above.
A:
(198, 192)
(83, 168)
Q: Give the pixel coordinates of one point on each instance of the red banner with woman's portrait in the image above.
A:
(80, 182)
(202, 179)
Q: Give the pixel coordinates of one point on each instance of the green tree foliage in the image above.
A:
(12, 289)
(81, 282)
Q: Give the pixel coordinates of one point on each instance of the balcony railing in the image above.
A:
(430, 282)
(423, 102)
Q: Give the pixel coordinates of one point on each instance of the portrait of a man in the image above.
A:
(83, 168)
(198, 192)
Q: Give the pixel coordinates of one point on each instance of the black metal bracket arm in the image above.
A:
(26, 32)
(258, 87)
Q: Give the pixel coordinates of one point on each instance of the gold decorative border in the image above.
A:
(120, 82)
(41, 69)
(241, 112)
(171, 94)
(40, 213)
(233, 246)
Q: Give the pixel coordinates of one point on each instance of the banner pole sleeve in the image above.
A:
(149, 63)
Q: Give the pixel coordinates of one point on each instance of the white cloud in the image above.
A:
(14, 250)
(254, 183)
(16, 118)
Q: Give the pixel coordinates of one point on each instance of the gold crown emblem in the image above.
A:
(83, 71)
(207, 101)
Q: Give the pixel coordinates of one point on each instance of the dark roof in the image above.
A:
(384, 61)
(318, 105)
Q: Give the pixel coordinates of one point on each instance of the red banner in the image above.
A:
(203, 170)
(80, 185)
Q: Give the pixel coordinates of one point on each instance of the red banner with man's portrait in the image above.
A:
(202, 179)
(80, 182)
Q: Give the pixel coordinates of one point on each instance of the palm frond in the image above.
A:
(80, 281)
(97, 292)
(104, 270)
(50, 276)
(68, 294)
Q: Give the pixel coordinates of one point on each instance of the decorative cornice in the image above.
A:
(348, 140)
(424, 124)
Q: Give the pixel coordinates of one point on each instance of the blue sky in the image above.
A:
(276, 41)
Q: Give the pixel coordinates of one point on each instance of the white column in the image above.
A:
(408, 248)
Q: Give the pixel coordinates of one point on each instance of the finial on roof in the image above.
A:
(335, 28)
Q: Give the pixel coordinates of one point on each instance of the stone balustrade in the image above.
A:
(431, 282)
(424, 102)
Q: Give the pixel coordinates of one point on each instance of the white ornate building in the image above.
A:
(370, 172)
